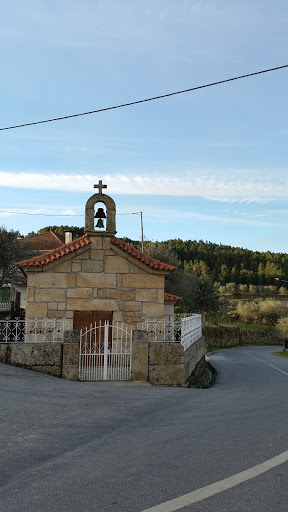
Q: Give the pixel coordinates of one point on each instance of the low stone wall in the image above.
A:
(221, 336)
(226, 336)
(57, 359)
(263, 337)
(162, 364)
(194, 356)
(41, 357)
(170, 365)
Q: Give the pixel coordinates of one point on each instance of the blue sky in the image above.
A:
(210, 164)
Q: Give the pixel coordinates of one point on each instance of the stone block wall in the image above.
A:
(162, 364)
(193, 355)
(98, 277)
(221, 336)
(41, 357)
(170, 365)
(57, 359)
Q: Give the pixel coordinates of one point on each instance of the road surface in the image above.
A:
(108, 447)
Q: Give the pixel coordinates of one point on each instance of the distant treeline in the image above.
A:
(222, 263)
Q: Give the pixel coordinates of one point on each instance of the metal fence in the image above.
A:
(105, 352)
(184, 330)
(162, 330)
(31, 331)
(5, 306)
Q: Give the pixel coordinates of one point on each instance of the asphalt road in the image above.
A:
(69, 446)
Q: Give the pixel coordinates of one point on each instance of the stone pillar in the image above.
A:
(70, 361)
(140, 355)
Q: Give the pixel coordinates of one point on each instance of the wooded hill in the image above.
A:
(222, 263)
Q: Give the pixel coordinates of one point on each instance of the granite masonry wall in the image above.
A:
(162, 364)
(57, 359)
(226, 336)
(41, 357)
(98, 277)
(170, 365)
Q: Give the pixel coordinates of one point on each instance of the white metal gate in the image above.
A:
(105, 352)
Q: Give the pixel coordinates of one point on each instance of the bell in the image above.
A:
(100, 223)
(100, 214)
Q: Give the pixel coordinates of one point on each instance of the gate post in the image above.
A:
(140, 355)
(70, 360)
(106, 327)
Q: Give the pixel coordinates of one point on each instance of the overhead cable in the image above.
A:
(145, 100)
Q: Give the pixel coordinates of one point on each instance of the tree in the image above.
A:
(231, 288)
(11, 251)
(252, 289)
(224, 274)
(248, 311)
(198, 294)
(197, 267)
(243, 288)
(271, 310)
(61, 230)
(222, 312)
(282, 326)
(272, 270)
(161, 251)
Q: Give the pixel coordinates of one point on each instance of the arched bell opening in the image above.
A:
(100, 213)
(100, 216)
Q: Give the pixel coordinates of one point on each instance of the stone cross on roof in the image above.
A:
(100, 186)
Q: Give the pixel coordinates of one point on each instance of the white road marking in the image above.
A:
(227, 483)
(272, 365)
(217, 487)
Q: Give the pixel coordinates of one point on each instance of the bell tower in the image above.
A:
(100, 219)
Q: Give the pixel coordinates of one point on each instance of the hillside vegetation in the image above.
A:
(222, 263)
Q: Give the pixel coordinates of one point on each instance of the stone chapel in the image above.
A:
(97, 276)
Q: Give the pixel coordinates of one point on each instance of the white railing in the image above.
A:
(5, 306)
(31, 331)
(191, 330)
(185, 330)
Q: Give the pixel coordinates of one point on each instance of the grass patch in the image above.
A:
(281, 354)
(248, 327)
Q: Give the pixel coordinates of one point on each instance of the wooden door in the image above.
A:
(92, 347)
(83, 319)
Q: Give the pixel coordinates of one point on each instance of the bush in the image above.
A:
(282, 326)
(243, 288)
(271, 310)
(248, 311)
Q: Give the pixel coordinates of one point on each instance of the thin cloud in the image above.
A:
(215, 219)
(222, 188)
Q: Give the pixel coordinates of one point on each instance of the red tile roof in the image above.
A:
(45, 241)
(171, 298)
(47, 257)
(140, 256)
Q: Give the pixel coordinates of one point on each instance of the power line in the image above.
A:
(145, 100)
(129, 213)
(44, 214)
(60, 215)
